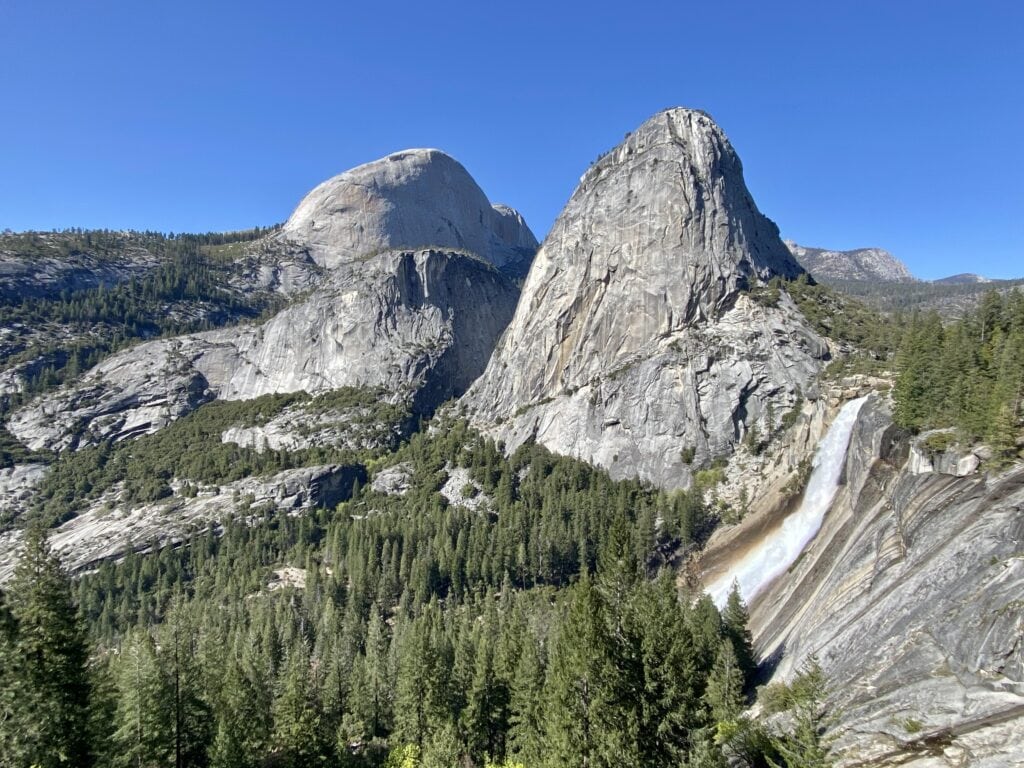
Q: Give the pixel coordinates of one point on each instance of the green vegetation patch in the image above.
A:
(186, 291)
(968, 375)
(843, 318)
(191, 449)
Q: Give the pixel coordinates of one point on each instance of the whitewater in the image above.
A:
(780, 549)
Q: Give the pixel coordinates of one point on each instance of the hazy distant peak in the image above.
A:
(964, 278)
(856, 264)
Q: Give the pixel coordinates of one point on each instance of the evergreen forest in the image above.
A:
(548, 630)
(185, 289)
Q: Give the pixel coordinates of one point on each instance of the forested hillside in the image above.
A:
(968, 374)
(536, 622)
(75, 297)
(463, 607)
(949, 299)
(543, 628)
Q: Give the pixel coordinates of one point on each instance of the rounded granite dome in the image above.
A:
(411, 199)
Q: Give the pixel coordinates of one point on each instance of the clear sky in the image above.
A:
(896, 124)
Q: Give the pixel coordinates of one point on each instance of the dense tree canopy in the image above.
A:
(968, 374)
(544, 628)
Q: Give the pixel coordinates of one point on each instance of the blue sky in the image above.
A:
(896, 124)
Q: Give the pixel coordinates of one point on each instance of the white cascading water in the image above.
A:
(783, 546)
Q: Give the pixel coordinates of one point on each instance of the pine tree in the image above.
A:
(16, 732)
(102, 711)
(50, 662)
(419, 695)
(723, 696)
(734, 625)
(371, 694)
(668, 698)
(578, 719)
(297, 737)
(705, 753)
(1004, 420)
(239, 740)
(919, 390)
(144, 722)
(705, 623)
(443, 748)
(190, 717)
(807, 745)
(486, 712)
(526, 718)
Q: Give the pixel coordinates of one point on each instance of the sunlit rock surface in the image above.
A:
(108, 528)
(414, 285)
(633, 342)
(409, 199)
(870, 264)
(911, 597)
(779, 549)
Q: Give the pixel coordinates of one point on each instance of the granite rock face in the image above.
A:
(419, 325)
(374, 305)
(53, 271)
(633, 341)
(421, 322)
(300, 427)
(109, 528)
(132, 393)
(16, 487)
(869, 264)
(910, 596)
(407, 200)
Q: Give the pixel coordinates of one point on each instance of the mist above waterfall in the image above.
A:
(761, 565)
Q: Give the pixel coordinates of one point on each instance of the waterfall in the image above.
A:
(780, 549)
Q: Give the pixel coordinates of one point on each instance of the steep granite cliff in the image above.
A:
(910, 597)
(634, 346)
(391, 311)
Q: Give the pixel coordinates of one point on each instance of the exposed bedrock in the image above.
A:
(634, 344)
(911, 597)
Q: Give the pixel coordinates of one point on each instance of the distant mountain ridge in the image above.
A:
(857, 264)
(878, 278)
(964, 278)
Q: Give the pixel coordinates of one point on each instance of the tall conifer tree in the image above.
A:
(51, 660)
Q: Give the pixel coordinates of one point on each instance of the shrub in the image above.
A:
(938, 442)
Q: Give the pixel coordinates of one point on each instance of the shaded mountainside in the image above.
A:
(632, 346)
